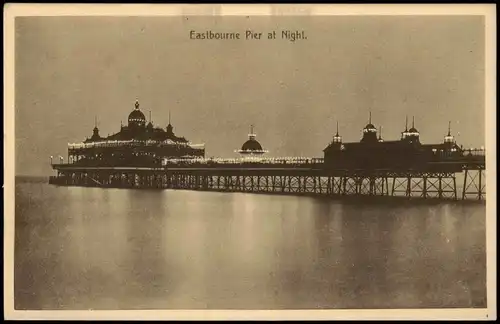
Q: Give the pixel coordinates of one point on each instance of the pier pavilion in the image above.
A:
(136, 144)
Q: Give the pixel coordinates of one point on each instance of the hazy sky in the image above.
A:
(69, 70)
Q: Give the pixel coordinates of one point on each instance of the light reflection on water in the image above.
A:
(91, 248)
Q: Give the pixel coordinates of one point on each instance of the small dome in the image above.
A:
(413, 130)
(369, 129)
(251, 145)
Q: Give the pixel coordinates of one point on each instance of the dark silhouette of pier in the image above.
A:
(142, 155)
(434, 179)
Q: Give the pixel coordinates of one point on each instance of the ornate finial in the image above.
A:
(137, 104)
(413, 122)
(337, 129)
(449, 128)
(251, 129)
(370, 121)
(406, 124)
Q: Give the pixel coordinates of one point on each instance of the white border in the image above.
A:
(15, 10)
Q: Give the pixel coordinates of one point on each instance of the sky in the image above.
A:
(68, 70)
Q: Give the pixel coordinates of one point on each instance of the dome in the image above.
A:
(251, 145)
(136, 118)
(369, 129)
(136, 115)
(413, 130)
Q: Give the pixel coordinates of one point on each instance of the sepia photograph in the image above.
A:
(250, 161)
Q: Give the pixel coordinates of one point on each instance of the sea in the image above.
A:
(80, 248)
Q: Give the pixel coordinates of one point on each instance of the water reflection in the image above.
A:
(81, 248)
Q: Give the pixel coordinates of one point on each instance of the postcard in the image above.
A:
(250, 162)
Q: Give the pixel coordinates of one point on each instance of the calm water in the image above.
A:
(91, 248)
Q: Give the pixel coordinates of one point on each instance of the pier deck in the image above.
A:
(436, 179)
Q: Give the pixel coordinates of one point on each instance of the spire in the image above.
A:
(413, 122)
(251, 135)
(96, 130)
(370, 121)
(337, 138)
(406, 124)
(380, 140)
(448, 138)
(169, 126)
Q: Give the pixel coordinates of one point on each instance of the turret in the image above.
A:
(170, 128)
(369, 132)
(405, 133)
(95, 133)
(149, 127)
(413, 136)
(449, 139)
(337, 139)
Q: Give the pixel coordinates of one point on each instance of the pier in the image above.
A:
(142, 155)
(436, 179)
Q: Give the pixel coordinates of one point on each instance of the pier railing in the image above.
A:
(474, 152)
(288, 162)
(476, 159)
(131, 143)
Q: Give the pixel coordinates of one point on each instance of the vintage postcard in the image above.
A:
(250, 162)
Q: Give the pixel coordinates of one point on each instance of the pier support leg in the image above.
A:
(464, 188)
(454, 188)
(480, 187)
(440, 190)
